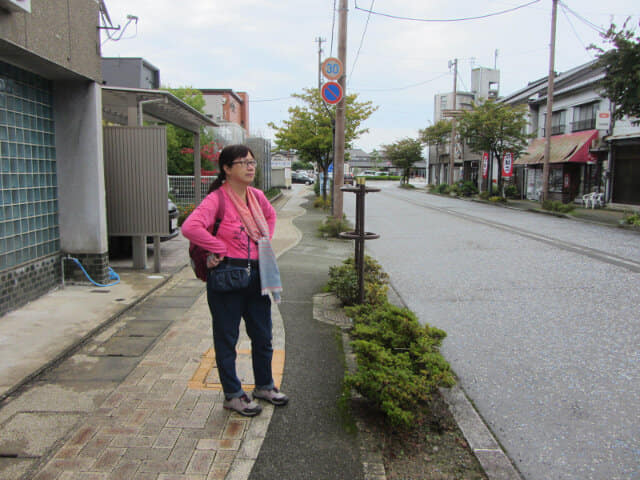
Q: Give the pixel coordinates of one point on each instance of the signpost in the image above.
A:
(331, 92)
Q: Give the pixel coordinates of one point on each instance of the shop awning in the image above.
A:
(572, 147)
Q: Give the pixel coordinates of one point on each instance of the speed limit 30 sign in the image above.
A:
(332, 68)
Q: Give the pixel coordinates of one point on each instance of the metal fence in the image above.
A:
(181, 188)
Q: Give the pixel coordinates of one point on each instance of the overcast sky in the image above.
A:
(268, 49)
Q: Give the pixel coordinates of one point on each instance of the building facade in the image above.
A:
(51, 157)
(589, 152)
(230, 110)
(485, 84)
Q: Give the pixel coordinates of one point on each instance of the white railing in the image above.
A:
(181, 188)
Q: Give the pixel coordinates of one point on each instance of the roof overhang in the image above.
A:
(157, 106)
(572, 147)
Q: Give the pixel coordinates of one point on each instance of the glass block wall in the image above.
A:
(28, 185)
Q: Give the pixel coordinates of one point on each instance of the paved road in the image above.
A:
(542, 321)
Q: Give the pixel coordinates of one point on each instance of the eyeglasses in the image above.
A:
(246, 163)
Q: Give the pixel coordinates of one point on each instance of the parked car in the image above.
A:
(120, 247)
(348, 179)
(367, 173)
(299, 177)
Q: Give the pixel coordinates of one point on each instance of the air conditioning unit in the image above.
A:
(16, 5)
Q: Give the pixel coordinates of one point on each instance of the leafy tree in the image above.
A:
(403, 154)
(376, 158)
(622, 68)
(309, 129)
(302, 166)
(496, 128)
(180, 141)
(436, 135)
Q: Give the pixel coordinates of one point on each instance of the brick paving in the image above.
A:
(158, 423)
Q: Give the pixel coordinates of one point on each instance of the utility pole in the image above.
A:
(452, 152)
(338, 162)
(320, 40)
(548, 123)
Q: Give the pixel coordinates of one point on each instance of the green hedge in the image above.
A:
(399, 362)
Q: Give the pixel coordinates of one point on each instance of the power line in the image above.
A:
(564, 11)
(590, 24)
(361, 41)
(397, 17)
(271, 99)
(402, 88)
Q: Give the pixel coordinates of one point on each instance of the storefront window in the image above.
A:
(555, 180)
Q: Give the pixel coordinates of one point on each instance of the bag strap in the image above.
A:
(220, 212)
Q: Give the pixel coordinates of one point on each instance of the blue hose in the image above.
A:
(112, 275)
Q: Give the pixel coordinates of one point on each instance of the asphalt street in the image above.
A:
(541, 316)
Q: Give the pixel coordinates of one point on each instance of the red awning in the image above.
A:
(572, 147)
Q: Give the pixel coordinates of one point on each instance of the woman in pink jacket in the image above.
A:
(243, 238)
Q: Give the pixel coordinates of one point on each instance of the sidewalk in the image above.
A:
(603, 216)
(127, 388)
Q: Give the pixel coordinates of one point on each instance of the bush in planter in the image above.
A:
(442, 188)
(511, 191)
(632, 219)
(343, 281)
(556, 206)
(332, 227)
(467, 188)
(399, 363)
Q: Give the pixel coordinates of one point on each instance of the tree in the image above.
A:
(436, 135)
(309, 129)
(621, 64)
(403, 154)
(180, 141)
(302, 166)
(495, 128)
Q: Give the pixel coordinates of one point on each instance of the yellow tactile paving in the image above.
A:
(206, 375)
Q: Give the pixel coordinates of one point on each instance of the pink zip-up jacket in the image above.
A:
(231, 239)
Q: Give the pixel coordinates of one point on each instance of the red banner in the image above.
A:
(507, 165)
(485, 165)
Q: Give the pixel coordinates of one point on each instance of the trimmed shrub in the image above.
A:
(319, 202)
(442, 189)
(343, 281)
(556, 206)
(511, 191)
(332, 227)
(497, 199)
(632, 219)
(399, 362)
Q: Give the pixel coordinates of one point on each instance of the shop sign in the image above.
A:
(507, 165)
(603, 121)
(485, 165)
(567, 180)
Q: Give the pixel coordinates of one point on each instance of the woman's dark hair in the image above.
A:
(228, 155)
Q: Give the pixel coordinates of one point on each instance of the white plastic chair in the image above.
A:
(594, 199)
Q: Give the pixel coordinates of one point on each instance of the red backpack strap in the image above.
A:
(220, 212)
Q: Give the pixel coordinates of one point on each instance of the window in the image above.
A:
(555, 180)
(558, 123)
(584, 117)
(28, 185)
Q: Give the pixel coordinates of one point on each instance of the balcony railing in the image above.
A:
(587, 124)
(555, 130)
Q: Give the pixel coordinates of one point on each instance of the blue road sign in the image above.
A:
(330, 169)
(331, 92)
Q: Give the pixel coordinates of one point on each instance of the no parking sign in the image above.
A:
(331, 92)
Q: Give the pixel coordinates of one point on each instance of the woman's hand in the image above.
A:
(214, 260)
